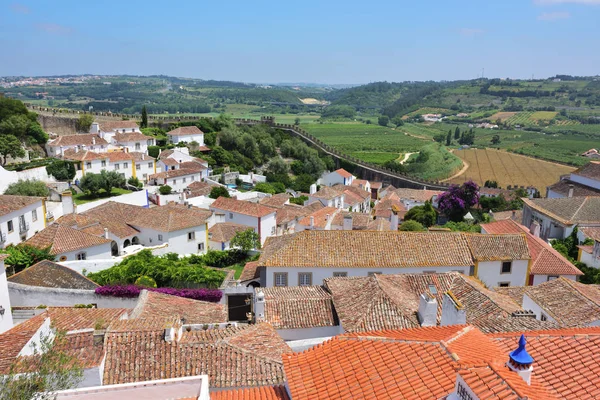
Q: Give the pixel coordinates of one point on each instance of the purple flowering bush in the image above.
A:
(212, 295)
(457, 200)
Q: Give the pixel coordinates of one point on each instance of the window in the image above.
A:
(138, 146)
(543, 317)
(10, 226)
(117, 166)
(150, 142)
(304, 278)
(88, 164)
(506, 267)
(174, 181)
(503, 284)
(280, 278)
(192, 178)
(373, 273)
(230, 215)
(340, 274)
(552, 277)
(82, 256)
(191, 235)
(200, 246)
(138, 166)
(150, 165)
(103, 163)
(34, 215)
(184, 179)
(145, 176)
(160, 237)
(273, 230)
(125, 165)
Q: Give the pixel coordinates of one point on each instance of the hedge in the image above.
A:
(211, 295)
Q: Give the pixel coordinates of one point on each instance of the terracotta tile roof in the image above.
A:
(171, 217)
(192, 165)
(498, 247)
(514, 292)
(568, 302)
(139, 156)
(50, 274)
(380, 224)
(290, 212)
(90, 139)
(297, 307)
(568, 210)
(169, 161)
(62, 239)
(359, 182)
(276, 201)
(174, 173)
(110, 126)
(277, 392)
(376, 185)
(185, 131)
(225, 231)
(131, 137)
(360, 221)
(115, 217)
(83, 155)
(419, 195)
(241, 207)
(343, 173)
(156, 305)
(76, 221)
(545, 260)
(251, 271)
(198, 188)
(73, 319)
(235, 357)
(118, 156)
(502, 215)
(326, 193)
(579, 190)
(15, 339)
(383, 209)
(590, 170)
(592, 233)
(9, 203)
(369, 249)
(320, 217)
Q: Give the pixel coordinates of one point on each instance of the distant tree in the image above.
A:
(277, 166)
(15, 125)
(10, 146)
(144, 123)
(425, 214)
(490, 184)
(165, 189)
(411, 226)
(449, 138)
(368, 122)
(439, 138)
(384, 120)
(302, 183)
(218, 191)
(61, 170)
(111, 179)
(92, 183)
(398, 121)
(493, 203)
(84, 123)
(265, 187)
(135, 182)
(50, 368)
(297, 121)
(246, 240)
(457, 133)
(27, 188)
(495, 139)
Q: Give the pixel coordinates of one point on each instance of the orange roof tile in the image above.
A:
(9, 203)
(225, 231)
(185, 131)
(320, 217)
(343, 173)
(297, 307)
(251, 271)
(90, 139)
(50, 274)
(242, 207)
(62, 239)
(277, 392)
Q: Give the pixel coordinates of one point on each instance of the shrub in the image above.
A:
(129, 291)
(28, 188)
(218, 191)
(135, 182)
(165, 189)
(412, 226)
(145, 281)
(153, 151)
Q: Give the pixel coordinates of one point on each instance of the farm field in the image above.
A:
(502, 116)
(509, 169)
(527, 118)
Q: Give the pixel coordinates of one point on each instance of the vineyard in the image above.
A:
(528, 118)
(509, 169)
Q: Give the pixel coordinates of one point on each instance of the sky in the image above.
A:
(322, 41)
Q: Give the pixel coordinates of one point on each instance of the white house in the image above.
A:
(6, 321)
(186, 134)
(132, 141)
(107, 130)
(21, 217)
(590, 254)
(321, 220)
(327, 196)
(313, 255)
(145, 165)
(177, 179)
(355, 198)
(417, 197)
(90, 141)
(253, 215)
(363, 184)
(221, 233)
(91, 162)
(340, 176)
(584, 181)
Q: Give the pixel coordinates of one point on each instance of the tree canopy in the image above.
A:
(246, 240)
(218, 191)
(27, 188)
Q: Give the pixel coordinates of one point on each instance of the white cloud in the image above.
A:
(470, 31)
(553, 16)
(551, 2)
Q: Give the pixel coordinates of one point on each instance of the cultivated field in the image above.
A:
(502, 116)
(527, 118)
(509, 169)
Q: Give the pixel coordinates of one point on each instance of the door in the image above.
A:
(238, 306)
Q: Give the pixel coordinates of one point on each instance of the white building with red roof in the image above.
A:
(257, 216)
(20, 218)
(186, 134)
(339, 176)
(6, 321)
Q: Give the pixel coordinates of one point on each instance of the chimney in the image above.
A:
(95, 128)
(173, 333)
(427, 310)
(61, 150)
(259, 306)
(312, 222)
(521, 362)
(67, 203)
(514, 215)
(143, 156)
(326, 217)
(348, 222)
(76, 149)
(105, 233)
(534, 229)
(394, 219)
(453, 312)
(93, 140)
(571, 189)
(313, 189)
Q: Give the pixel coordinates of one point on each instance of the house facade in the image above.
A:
(186, 134)
(585, 181)
(6, 321)
(327, 196)
(107, 130)
(261, 218)
(340, 176)
(178, 179)
(132, 141)
(91, 142)
(21, 217)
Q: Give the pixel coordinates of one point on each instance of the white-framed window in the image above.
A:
(88, 164)
(552, 277)
(82, 256)
(117, 166)
(192, 178)
(150, 142)
(160, 237)
(230, 215)
(125, 165)
(103, 163)
(304, 278)
(138, 166)
(191, 235)
(34, 215)
(174, 181)
(280, 278)
(10, 226)
(138, 146)
(150, 165)
(506, 267)
(200, 246)
(184, 179)
(503, 284)
(340, 274)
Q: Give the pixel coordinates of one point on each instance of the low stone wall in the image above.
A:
(32, 296)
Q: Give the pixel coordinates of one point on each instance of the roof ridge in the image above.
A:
(579, 208)
(226, 341)
(572, 284)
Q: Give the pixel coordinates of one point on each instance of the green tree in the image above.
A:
(495, 139)
(92, 183)
(50, 368)
(111, 179)
(265, 188)
(10, 146)
(61, 170)
(135, 182)
(145, 281)
(297, 121)
(218, 191)
(246, 240)
(384, 120)
(24, 256)
(84, 123)
(165, 190)
(28, 188)
(457, 133)
(277, 166)
(302, 183)
(144, 123)
(449, 138)
(398, 121)
(439, 138)
(15, 125)
(425, 214)
(411, 226)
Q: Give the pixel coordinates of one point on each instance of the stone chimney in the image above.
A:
(348, 222)
(521, 362)
(453, 312)
(105, 233)
(571, 189)
(259, 306)
(534, 229)
(427, 312)
(313, 189)
(312, 222)
(68, 205)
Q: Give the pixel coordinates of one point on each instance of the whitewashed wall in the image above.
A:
(537, 279)
(489, 273)
(101, 252)
(310, 333)
(179, 243)
(6, 321)
(14, 237)
(134, 198)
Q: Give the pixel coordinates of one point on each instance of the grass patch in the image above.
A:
(238, 268)
(83, 198)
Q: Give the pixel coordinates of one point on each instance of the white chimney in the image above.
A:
(105, 233)
(313, 189)
(534, 229)
(348, 222)
(427, 312)
(61, 150)
(312, 222)
(67, 203)
(453, 312)
(173, 333)
(76, 149)
(259, 306)
(521, 362)
(143, 156)
(571, 189)
(93, 140)
(394, 220)
(326, 217)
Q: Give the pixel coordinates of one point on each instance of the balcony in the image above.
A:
(23, 227)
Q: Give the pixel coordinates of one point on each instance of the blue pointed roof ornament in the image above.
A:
(520, 355)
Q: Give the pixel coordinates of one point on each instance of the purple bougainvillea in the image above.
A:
(212, 295)
(457, 200)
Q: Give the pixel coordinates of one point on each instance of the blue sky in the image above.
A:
(302, 41)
